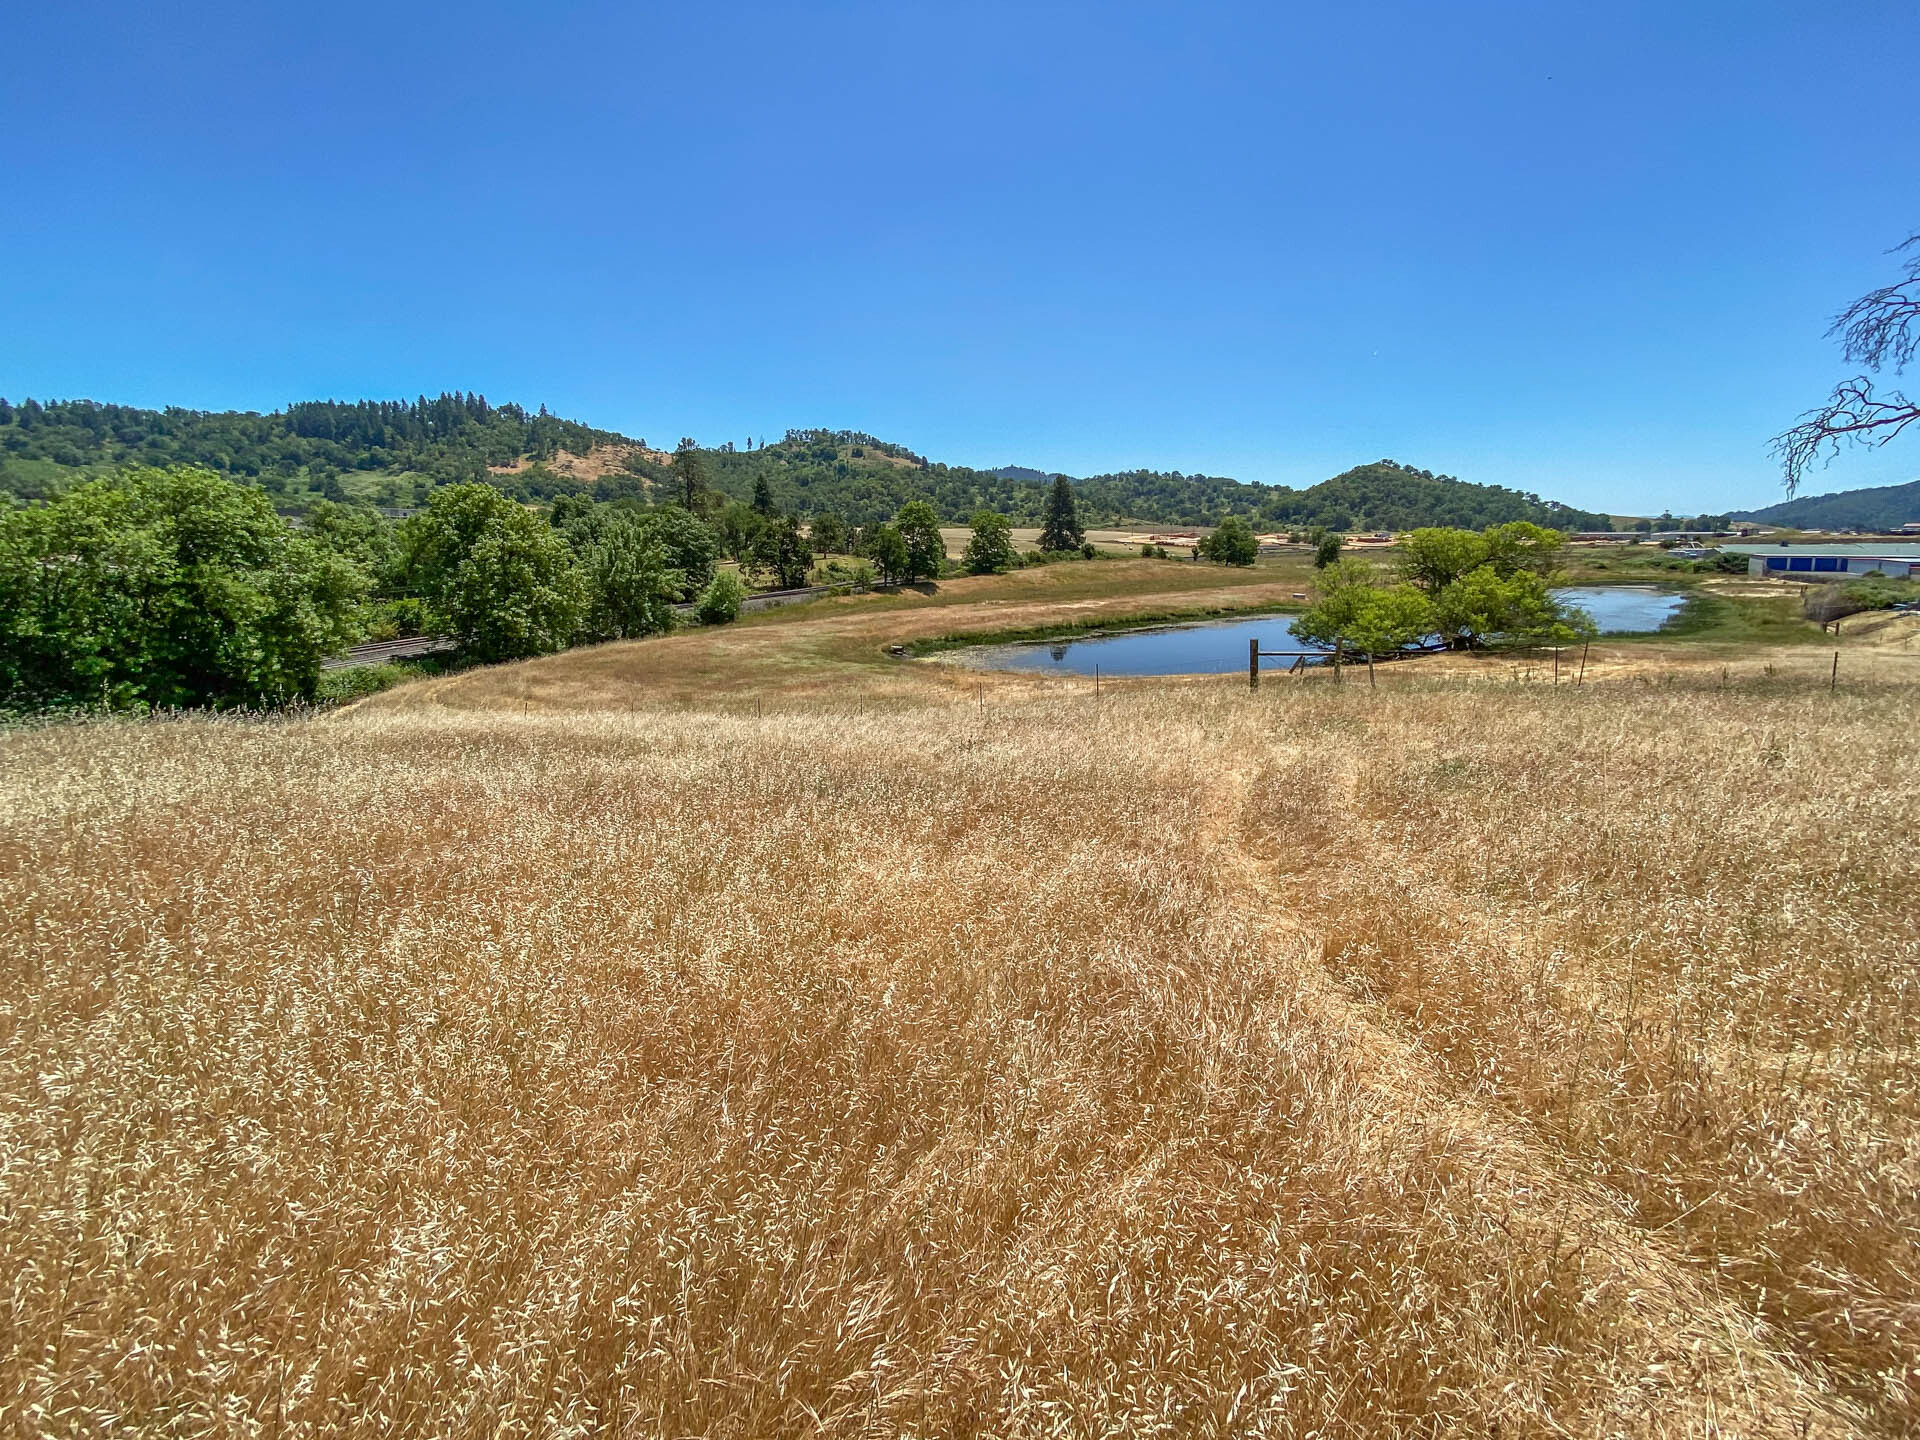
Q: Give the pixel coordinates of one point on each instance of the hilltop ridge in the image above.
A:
(395, 452)
(1880, 507)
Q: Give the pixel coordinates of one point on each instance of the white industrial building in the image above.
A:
(1804, 560)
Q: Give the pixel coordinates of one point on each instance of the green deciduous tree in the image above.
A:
(884, 545)
(783, 552)
(919, 529)
(1434, 558)
(692, 547)
(1060, 521)
(1326, 550)
(493, 577)
(167, 588)
(990, 550)
(828, 532)
(632, 584)
(1231, 543)
(1483, 607)
(1364, 617)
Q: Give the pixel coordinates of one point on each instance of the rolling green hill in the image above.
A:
(1885, 507)
(386, 451)
(394, 452)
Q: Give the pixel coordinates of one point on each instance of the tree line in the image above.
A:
(181, 587)
(302, 450)
(398, 451)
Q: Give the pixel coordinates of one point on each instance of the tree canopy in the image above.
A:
(395, 452)
(166, 588)
(493, 576)
(990, 550)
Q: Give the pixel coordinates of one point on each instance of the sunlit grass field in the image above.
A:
(545, 1051)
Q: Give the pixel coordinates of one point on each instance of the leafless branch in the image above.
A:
(1878, 329)
(1853, 415)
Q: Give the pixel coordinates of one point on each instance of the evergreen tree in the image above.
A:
(692, 473)
(762, 496)
(1060, 524)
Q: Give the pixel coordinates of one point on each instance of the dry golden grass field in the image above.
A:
(565, 1049)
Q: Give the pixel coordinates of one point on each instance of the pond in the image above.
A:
(1218, 647)
(1625, 609)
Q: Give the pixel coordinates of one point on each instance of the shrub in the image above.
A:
(720, 602)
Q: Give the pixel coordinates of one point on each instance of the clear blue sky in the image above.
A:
(1585, 249)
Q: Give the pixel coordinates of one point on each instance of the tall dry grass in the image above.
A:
(1322, 1063)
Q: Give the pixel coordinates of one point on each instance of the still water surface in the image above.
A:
(1216, 647)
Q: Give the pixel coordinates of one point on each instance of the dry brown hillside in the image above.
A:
(582, 1058)
(599, 461)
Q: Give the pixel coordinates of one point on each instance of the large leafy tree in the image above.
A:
(1362, 616)
(1231, 543)
(1493, 586)
(829, 534)
(919, 529)
(990, 550)
(1484, 607)
(782, 551)
(167, 588)
(887, 548)
(692, 547)
(633, 584)
(493, 576)
(1060, 521)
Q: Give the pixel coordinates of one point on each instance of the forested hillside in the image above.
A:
(1886, 507)
(866, 479)
(397, 452)
(307, 451)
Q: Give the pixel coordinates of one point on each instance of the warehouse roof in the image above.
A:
(1872, 550)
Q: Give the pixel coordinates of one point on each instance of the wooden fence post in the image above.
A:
(1253, 663)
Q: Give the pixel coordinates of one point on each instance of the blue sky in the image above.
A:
(1584, 249)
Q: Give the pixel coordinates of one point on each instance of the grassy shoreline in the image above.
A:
(1093, 628)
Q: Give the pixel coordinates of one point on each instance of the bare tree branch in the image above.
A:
(1880, 330)
(1853, 415)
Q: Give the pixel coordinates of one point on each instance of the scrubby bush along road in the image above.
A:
(1449, 1058)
